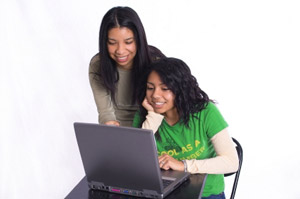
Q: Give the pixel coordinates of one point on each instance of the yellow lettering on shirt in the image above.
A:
(175, 152)
(196, 154)
(197, 142)
(172, 152)
(189, 147)
(184, 150)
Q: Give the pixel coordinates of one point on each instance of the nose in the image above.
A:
(120, 49)
(156, 93)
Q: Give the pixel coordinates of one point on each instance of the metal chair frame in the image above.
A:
(239, 150)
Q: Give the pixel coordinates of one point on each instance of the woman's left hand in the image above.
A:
(167, 162)
(147, 105)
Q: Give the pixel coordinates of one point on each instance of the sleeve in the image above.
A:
(153, 121)
(226, 160)
(102, 97)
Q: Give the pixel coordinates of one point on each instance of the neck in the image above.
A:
(172, 117)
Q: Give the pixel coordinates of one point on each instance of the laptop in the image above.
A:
(124, 160)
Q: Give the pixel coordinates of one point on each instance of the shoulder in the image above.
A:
(211, 107)
(95, 58)
(155, 53)
(210, 111)
(94, 63)
(211, 119)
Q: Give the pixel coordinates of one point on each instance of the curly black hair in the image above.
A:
(176, 75)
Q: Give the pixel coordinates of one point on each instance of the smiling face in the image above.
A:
(160, 96)
(121, 46)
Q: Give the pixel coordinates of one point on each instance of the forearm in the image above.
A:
(153, 121)
(226, 160)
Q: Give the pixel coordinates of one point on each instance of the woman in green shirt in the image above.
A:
(191, 134)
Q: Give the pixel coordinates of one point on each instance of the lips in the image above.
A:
(158, 104)
(122, 59)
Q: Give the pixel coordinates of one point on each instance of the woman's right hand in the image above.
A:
(115, 123)
(147, 105)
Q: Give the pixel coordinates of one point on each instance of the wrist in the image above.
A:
(184, 165)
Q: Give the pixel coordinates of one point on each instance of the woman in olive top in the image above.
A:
(116, 70)
(191, 134)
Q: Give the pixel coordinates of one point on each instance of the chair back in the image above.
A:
(239, 150)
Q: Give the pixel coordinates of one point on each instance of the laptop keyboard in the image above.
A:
(167, 182)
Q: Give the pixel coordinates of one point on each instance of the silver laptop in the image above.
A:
(124, 160)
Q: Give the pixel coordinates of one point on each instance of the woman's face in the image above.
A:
(159, 95)
(121, 46)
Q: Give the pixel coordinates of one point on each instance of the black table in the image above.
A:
(192, 188)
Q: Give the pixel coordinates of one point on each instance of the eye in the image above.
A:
(149, 88)
(129, 41)
(165, 89)
(111, 42)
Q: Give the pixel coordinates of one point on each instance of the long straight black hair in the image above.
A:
(122, 17)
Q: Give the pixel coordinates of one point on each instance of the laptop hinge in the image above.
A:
(151, 194)
(96, 185)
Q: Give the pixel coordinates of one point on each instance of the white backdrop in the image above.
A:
(244, 54)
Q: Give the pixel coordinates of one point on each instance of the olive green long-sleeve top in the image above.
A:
(125, 110)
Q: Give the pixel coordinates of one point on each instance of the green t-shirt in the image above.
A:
(192, 142)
